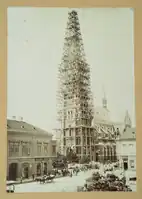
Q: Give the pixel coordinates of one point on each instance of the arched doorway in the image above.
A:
(108, 153)
(38, 169)
(45, 168)
(25, 168)
(13, 171)
(105, 154)
(111, 152)
(114, 154)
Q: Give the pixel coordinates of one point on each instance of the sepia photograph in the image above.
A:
(70, 100)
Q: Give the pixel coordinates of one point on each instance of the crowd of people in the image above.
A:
(104, 179)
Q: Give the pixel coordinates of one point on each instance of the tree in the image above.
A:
(71, 156)
(85, 159)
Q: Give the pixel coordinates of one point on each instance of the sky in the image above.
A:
(35, 47)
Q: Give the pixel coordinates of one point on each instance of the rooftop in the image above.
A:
(16, 125)
(129, 134)
(101, 114)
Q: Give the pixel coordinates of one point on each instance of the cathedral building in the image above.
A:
(110, 135)
(105, 146)
(84, 130)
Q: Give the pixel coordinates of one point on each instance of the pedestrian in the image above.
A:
(85, 187)
(33, 176)
(21, 179)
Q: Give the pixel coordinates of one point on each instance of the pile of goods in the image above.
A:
(10, 187)
(105, 183)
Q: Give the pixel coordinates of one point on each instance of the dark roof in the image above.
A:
(26, 127)
(129, 134)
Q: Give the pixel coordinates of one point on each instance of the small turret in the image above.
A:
(104, 100)
(127, 120)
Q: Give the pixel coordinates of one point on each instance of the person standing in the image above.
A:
(21, 179)
(33, 176)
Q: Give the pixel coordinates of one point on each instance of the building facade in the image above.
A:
(126, 149)
(126, 145)
(30, 150)
(105, 147)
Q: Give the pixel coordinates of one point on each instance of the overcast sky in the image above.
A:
(35, 46)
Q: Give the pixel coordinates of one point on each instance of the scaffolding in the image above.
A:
(75, 99)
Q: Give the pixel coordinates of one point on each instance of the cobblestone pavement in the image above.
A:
(64, 184)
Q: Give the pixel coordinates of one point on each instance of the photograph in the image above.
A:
(71, 123)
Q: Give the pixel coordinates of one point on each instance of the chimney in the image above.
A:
(14, 117)
(20, 118)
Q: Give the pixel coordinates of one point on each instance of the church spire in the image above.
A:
(74, 94)
(127, 120)
(104, 99)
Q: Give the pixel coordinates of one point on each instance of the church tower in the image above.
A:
(127, 120)
(75, 97)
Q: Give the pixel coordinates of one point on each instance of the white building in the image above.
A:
(57, 137)
(126, 149)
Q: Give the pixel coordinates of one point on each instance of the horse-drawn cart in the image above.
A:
(46, 178)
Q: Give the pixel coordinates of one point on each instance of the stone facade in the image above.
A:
(105, 147)
(75, 96)
(126, 149)
(81, 140)
(30, 150)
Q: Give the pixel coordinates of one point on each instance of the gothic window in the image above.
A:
(88, 131)
(78, 150)
(83, 130)
(53, 149)
(77, 132)
(64, 141)
(84, 150)
(108, 151)
(78, 140)
(88, 141)
(84, 141)
(69, 132)
(92, 148)
(89, 151)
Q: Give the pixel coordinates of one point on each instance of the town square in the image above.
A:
(90, 149)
